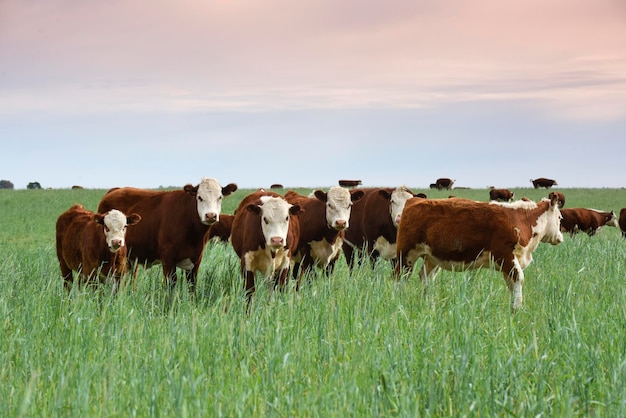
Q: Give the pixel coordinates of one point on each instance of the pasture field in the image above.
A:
(357, 344)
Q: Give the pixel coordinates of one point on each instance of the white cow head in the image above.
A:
(274, 213)
(209, 195)
(338, 205)
(549, 223)
(114, 225)
(397, 200)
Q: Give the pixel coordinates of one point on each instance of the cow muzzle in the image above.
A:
(340, 225)
(276, 243)
(115, 245)
(210, 218)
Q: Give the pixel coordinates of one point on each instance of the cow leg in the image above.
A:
(169, 275)
(428, 271)
(514, 277)
(280, 282)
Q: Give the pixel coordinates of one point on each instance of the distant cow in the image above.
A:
(220, 230)
(589, 221)
(264, 235)
(543, 182)
(442, 183)
(374, 223)
(174, 224)
(457, 234)
(92, 244)
(323, 220)
(349, 183)
(622, 221)
(559, 196)
(503, 195)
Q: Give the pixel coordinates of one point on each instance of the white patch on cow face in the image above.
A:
(115, 229)
(275, 221)
(398, 199)
(209, 201)
(338, 208)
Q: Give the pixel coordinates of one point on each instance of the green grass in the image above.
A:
(358, 344)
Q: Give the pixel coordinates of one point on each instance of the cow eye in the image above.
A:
(106, 228)
(287, 219)
(266, 221)
(200, 199)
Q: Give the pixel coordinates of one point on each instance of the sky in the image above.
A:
(152, 93)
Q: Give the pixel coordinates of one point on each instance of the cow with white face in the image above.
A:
(264, 235)
(375, 220)
(324, 218)
(209, 195)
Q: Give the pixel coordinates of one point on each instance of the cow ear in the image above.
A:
(256, 209)
(229, 188)
(356, 195)
(321, 195)
(190, 189)
(421, 195)
(384, 194)
(99, 218)
(133, 219)
(295, 210)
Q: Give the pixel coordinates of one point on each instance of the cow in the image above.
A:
(220, 230)
(543, 182)
(589, 221)
(560, 198)
(349, 183)
(264, 235)
(374, 224)
(622, 221)
(174, 227)
(92, 244)
(323, 220)
(503, 195)
(458, 234)
(442, 183)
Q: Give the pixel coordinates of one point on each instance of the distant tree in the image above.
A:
(6, 184)
(34, 185)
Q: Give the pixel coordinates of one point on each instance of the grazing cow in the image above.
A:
(503, 195)
(560, 198)
(589, 221)
(174, 227)
(456, 234)
(442, 183)
(543, 182)
(374, 223)
(349, 183)
(264, 235)
(276, 186)
(323, 220)
(92, 244)
(220, 230)
(622, 221)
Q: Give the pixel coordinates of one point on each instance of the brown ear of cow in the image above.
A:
(133, 219)
(295, 210)
(384, 194)
(254, 208)
(99, 218)
(356, 195)
(229, 188)
(191, 189)
(321, 195)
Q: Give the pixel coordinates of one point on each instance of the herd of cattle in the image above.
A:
(285, 236)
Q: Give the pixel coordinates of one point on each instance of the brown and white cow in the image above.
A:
(374, 224)
(174, 224)
(220, 230)
(264, 235)
(589, 221)
(323, 220)
(622, 221)
(92, 244)
(502, 195)
(457, 234)
(543, 182)
(560, 197)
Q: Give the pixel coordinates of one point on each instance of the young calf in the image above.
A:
(92, 244)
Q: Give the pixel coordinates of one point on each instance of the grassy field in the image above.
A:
(358, 344)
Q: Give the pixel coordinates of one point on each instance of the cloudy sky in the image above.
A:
(153, 93)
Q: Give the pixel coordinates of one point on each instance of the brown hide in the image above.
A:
(543, 182)
(221, 229)
(81, 246)
(622, 221)
(584, 220)
(247, 236)
(501, 194)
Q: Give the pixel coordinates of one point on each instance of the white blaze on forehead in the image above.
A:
(115, 227)
(274, 218)
(398, 199)
(209, 199)
(338, 207)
